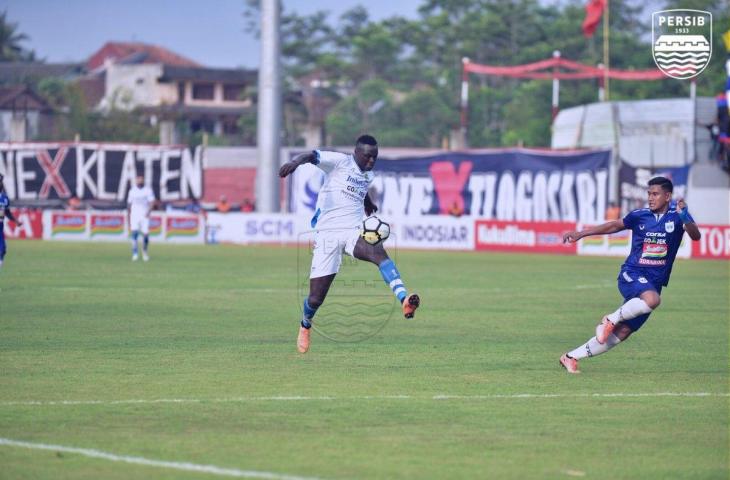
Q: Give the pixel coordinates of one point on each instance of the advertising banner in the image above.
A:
(65, 225)
(255, 228)
(184, 228)
(32, 224)
(155, 226)
(715, 242)
(102, 171)
(532, 237)
(438, 232)
(619, 244)
(93, 225)
(507, 185)
(107, 226)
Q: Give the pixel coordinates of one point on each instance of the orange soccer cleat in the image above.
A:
(303, 340)
(410, 304)
(604, 330)
(569, 364)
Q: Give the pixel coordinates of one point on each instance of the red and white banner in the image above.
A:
(32, 224)
(533, 237)
(715, 242)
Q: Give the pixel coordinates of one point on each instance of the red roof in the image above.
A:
(135, 52)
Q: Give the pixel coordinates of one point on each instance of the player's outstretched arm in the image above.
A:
(604, 229)
(689, 224)
(294, 163)
(370, 207)
(10, 217)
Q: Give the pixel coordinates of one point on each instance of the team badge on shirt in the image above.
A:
(669, 227)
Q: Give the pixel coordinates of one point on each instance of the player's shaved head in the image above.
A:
(366, 140)
(663, 182)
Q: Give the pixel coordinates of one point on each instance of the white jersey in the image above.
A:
(340, 200)
(140, 200)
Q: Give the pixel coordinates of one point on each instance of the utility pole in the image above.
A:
(269, 110)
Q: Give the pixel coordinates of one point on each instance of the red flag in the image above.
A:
(594, 10)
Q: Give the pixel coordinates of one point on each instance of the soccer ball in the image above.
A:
(374, 230)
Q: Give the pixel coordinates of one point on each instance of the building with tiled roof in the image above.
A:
(174, 92)
(136, 53)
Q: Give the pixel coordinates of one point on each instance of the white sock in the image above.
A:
(631, 309)
(1, 264)
(592, 348)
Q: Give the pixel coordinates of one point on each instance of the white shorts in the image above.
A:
(328, 248)
(139, 223)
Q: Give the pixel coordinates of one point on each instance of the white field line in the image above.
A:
(328, 398)
(184, 466)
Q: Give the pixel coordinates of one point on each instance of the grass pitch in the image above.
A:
(437, 397)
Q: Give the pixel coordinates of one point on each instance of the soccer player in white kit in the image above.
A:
(140, 201)
(341, 205)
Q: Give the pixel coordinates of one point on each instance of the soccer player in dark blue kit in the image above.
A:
(4, 212)
(656, 233)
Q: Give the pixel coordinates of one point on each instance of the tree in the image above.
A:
(401, 77)
(11, 49)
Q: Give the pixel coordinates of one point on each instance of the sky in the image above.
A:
(211, 32)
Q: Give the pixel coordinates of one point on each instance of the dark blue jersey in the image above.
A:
(655, 240)
(4, 205)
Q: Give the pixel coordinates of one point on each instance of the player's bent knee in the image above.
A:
(370, 253)
(652, 299)
(315, 301)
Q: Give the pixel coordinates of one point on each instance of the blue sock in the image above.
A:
(135, 234)
(146, 242)
(391, 276)
(308, 314)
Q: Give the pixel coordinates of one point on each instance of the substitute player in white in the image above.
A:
(342, 203)
(140, 201)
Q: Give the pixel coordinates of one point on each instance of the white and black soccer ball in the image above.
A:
(374, 230)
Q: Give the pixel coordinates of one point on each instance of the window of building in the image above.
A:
(202, 125)
(231, 127)
(203, 91)
(233, 93)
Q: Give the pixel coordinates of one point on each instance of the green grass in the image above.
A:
(81, 322)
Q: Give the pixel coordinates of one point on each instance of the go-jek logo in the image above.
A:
(681, 42)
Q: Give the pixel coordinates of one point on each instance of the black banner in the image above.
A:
(100, 171)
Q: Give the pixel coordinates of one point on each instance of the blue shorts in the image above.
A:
(632, 284)
(2, 243)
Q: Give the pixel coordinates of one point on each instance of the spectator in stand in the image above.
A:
(223, 206)
(613, 212)
(248, 206)
(74, 203)
(455, 210)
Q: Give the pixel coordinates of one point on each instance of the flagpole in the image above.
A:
(605, 50)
